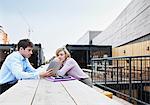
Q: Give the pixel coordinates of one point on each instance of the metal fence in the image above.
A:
(127, 77)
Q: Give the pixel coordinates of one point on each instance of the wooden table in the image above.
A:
(44, 92)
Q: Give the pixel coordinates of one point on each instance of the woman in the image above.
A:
(71, 67)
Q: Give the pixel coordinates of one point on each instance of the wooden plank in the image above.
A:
(20, 94)
(85, 95)
(52, 93)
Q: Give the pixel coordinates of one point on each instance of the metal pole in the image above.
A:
(105, 73)
(130, 82)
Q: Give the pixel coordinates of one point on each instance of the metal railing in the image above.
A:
(127, 77)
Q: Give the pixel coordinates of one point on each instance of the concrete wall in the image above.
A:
(87, 37)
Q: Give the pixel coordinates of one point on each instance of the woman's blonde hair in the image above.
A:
(65, 51)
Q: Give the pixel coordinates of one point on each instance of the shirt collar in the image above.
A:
(21, 57)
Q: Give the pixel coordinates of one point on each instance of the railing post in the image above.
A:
(117, 86)
(117, 72)
(105, 72)
(92, 71)
(141, 89)
(130, 81)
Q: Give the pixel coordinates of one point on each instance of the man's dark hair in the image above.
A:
(24, 43)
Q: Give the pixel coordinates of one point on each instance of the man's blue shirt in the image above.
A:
(16, 67)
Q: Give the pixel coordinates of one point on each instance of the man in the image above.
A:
(17, 67)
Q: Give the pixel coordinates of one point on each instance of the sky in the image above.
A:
(55, 23)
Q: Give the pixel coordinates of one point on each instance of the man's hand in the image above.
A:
(47, 73)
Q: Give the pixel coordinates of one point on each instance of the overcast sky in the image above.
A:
(55, 23)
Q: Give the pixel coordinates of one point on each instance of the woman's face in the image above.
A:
(62, 56)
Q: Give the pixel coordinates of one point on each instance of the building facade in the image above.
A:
(129, 33)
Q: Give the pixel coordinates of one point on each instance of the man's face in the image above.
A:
(27, 52)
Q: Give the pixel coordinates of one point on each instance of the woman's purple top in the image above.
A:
(71, 67)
